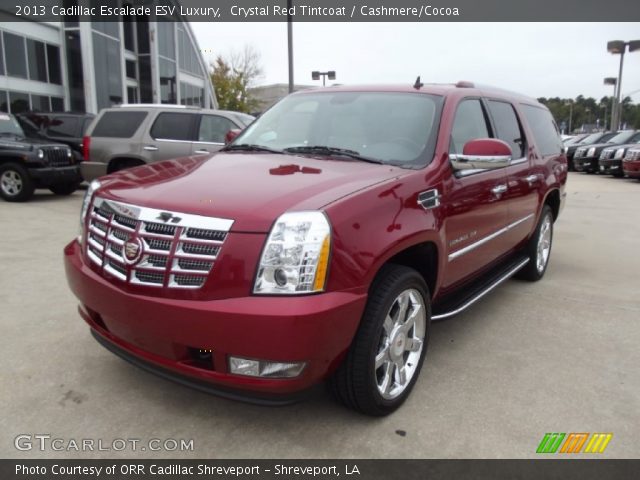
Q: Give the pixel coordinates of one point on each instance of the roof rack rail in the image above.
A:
(158, 105)
(465, 84)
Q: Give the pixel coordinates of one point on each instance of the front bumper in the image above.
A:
(160, 334)
(92, 170)
(610, 167)
(585, 164)
(46, 176)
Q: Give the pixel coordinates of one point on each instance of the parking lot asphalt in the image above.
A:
(560, 355)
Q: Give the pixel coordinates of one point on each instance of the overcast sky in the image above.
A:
(537, 59)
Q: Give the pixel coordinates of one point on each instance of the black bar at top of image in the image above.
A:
(548, 469)
(335, 10)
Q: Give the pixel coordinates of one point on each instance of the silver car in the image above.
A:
(130, 135)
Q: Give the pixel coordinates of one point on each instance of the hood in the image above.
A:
(251, 189)
(18, 142)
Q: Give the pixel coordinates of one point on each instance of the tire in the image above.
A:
(387, 337)
(64, 188)
(15, 183)
(539, 248)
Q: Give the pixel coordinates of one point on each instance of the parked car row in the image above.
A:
(606, 156)
(60, 150)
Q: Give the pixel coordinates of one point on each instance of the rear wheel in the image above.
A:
(539, 248)
(386, 356)
(15, 183)
(64, 188)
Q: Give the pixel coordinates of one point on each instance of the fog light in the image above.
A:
(263, 368)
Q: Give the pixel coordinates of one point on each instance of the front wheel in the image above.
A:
(539, 248)
(15, 183)
(386, 356)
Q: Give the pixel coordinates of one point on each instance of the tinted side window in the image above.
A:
(214, 128)
(468, 124)
(507, 126)
(63, 127)
(544, 130)
(118, 124)
(173, 126)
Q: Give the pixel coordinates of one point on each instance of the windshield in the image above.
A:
(243, 118)
(9, 125)
(394, 128)
(622, 137)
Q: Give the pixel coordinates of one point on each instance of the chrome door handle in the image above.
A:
(499, 190)
(150, 148)
(531, 179)
(201, 151)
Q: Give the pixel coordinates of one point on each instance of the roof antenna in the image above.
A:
(418, 83)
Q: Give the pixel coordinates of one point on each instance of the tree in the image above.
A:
(233, 76)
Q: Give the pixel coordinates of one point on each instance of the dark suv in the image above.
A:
(67, 127)
(30, 163)
(598, 137)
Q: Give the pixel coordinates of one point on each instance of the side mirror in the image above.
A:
(231, 135)
(482, 154)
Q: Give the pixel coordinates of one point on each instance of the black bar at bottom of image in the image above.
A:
(584, 469)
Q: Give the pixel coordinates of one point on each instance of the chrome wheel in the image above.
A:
(401, 344)
(544, 244)
(11, 183)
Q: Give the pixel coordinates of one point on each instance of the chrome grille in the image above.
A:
(174, 256)
(57, 156)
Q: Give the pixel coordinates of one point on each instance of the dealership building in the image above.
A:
(87, 66)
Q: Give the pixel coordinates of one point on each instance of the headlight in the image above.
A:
(619, 154)
(69, 153)
(40, 153)
(295, 258)
(591, 152)
(93, 186)
(603, 154)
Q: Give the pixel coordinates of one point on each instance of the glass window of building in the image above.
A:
(15, 55)
(130, 66)
(40, 103)
(108, 76)
(107, 25)
(19, 102)
(53, 61)
(57, 104)
(142, 31)
(1, 56)
(37, 60)
(4, 105)
(166, 39)
(74, 71)
(168, 86)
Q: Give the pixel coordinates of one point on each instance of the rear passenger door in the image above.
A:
(212, 130)
(476, 209)
(170, 136)
(522, 183)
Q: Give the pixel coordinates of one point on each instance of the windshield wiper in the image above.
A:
(246, 147)
(324, 150)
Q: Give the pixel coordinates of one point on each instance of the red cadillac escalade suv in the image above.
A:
(322, 242)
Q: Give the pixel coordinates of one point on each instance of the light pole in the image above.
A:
(315, 75)
(612, 81)
(290, 44)
(620, 47)
(570, 103)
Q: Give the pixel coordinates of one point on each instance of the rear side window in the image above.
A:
(544, 130)
(468, 124)
(507, 126)
(173, 126)
(63, 127)
(118, 124)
